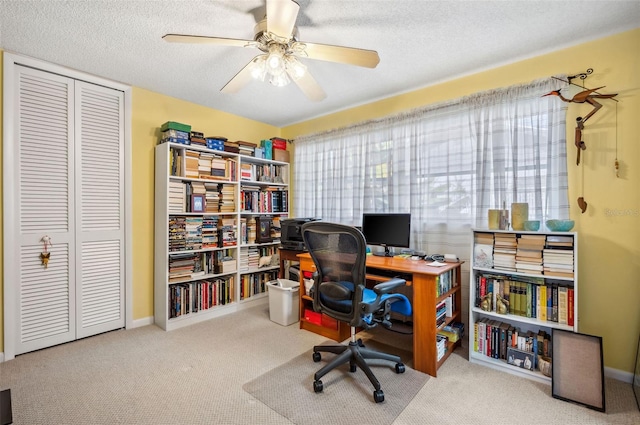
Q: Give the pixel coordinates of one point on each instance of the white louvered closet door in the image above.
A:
(99, 152)
(66, 184)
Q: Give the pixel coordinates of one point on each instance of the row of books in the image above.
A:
(187, 298)
(441, 346)
(444, 309)
(193, 233)
(264, 200)
(218, 197)
(445, 282)
(545, 300)
(255, 283)
(184, 266)
(270, 173)
(500, 340)
(201, 165)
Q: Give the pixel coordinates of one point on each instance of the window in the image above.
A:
(445, 164)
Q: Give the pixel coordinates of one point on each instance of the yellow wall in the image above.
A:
(609, 266)
(609, 231)
(150, 110)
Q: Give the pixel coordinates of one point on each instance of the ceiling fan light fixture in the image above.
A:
(259, 67)
(279, 80)
(275, 59)
(295, 68)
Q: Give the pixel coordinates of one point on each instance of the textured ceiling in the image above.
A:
(419, 42)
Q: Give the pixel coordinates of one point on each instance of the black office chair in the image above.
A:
(339, 253)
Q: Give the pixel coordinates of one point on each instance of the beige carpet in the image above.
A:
(195, 376)
(347, 397)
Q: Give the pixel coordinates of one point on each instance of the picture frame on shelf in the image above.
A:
(520, 358)
(197, 203)
(263, 230)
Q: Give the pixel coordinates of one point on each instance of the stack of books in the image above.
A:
(504, 252)
(181, 266)
(212, 197)
(529, 253)
(220, 168)
(253, 257)
(226, 231)
(244, 259)
(227, 198)
(204, 165)
(177, 197)
(192, 163)
(209, 232)
(193, 227)
(246, 148)
(177, 233)
(558, 256)
(197, 138)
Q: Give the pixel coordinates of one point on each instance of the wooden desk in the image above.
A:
(423, 280)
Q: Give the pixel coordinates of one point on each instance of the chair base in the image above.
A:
(356, 355)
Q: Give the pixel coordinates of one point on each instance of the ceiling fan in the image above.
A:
(277, 37)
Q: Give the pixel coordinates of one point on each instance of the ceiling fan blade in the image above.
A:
(281, 17)
(309, 86)
(348, 55)
(240, 80)
(201, 39)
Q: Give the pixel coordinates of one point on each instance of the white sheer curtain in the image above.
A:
(445, 164)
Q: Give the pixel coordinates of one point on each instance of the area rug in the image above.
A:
(347, 397)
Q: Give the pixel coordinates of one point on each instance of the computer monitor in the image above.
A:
(390, 229)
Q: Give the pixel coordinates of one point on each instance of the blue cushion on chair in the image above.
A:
(401, 305)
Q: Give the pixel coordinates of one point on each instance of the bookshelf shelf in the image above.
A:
(218, 238)
(523, 285)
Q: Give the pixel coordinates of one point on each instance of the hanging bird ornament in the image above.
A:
(577, 94)
(574, 93)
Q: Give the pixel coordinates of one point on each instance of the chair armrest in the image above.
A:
(389, 285)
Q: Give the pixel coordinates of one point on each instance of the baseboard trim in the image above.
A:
(1, 357)
(137, 323)
(618, 374)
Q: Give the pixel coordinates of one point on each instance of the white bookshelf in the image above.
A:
(164, 311)
(532, 322)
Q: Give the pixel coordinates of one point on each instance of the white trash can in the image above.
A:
(284, 304)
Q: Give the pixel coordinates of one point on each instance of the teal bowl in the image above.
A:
(560, 225)
(532, 225)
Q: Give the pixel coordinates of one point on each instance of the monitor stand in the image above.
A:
(387, 253)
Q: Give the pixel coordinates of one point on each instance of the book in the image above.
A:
(570, 307)
(563, 304)
(483, 255)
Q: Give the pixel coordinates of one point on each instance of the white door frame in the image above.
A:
(10, 61)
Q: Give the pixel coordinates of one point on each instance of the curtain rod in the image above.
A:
(432, 108)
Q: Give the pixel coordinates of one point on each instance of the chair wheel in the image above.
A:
(360, 343)
(399, 368)
(317, 386)
(352, 367)
(317, 357)
(378, 396)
